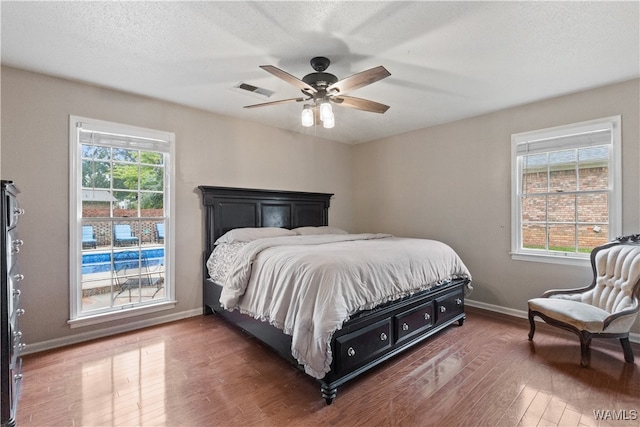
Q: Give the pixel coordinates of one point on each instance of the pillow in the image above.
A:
(221, 258)
(306, 231)
(250, 233)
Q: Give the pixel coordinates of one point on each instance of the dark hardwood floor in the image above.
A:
(202, 372)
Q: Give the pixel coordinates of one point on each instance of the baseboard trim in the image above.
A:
(633, 337)
(87, 336)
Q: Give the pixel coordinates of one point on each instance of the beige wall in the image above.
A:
(452, 182)
(210, 150)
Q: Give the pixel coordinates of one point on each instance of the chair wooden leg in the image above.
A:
(585, 350)
(626, 348)
(532, 328)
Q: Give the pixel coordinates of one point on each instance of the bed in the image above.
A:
(368, 335)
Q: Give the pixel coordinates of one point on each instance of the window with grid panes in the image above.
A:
(566, 190)
(120, 227)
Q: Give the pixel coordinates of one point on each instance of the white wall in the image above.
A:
(452, 182)
(210, 150)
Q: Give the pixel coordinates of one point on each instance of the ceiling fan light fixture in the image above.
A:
(329, 121)
(307, 116)
(326, 111)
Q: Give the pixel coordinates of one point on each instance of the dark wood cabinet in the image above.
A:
(10, 334)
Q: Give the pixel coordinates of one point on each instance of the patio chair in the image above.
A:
(132, 272)
(607, 308)
(122, 235)
(88, 237)
(160, 232)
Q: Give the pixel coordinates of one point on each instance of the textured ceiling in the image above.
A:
(448, 60)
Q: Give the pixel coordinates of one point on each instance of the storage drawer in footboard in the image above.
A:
(356, 348)
(411, 323)
(449, 306)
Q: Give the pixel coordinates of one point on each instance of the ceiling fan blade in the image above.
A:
(360, 104)
(282, 101)
(359, 80)
(288, 78)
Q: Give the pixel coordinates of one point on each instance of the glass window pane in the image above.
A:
(534, 174)
(123, 155)
(562, 238)
(593, 164)
(534, 208)
(126, 204)
(95, 152)
(593, 208)
(151, 158)
(125, 176)
(562, 171)
(96, 234)
(95, 209)
(96, 174)
(151, 178)
(126, 233)
(96, 265)
(534, 236)
(590, 236)
(562, 208)
(151, 204)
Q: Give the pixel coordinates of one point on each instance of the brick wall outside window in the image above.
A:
(592, 213)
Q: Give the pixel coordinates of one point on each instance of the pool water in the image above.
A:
(100, 262)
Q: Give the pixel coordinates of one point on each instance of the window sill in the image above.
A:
(122, 314)
(553, 259)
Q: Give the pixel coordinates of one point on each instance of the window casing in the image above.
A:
(566, 191)
(121, 210)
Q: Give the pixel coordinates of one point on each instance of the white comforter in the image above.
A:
(308, 286)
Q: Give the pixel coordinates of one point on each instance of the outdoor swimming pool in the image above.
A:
(100, 262)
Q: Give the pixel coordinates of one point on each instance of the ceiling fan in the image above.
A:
(323, 88)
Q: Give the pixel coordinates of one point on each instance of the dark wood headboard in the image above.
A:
(227, 208)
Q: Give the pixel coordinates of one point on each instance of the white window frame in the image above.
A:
(76, 124)
(614, 193)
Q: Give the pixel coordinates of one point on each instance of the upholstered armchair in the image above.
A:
(607, 308)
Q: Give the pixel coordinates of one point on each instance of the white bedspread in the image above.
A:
(308, 286)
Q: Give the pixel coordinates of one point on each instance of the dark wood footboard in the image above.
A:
(370, 337)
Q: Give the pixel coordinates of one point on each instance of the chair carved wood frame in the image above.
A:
(607, 308)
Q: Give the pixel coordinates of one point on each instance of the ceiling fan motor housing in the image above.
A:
(319, 81)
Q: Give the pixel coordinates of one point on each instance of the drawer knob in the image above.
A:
(427, 316)
(17, 334)
(17, 377)
(20, 312)
(383, 337)
(405, 327)
(443, 309)
(458, 301)
(16, 292)
(18, 211)
(21, 346)
(18, 277)
(351, 352)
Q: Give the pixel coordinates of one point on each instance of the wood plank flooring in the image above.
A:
(203, 372)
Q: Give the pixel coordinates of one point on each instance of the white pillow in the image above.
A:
(250, 233)
(306, 231)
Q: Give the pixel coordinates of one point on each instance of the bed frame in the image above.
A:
(369, 337)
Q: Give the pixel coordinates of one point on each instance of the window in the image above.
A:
(121, 200)
(566, 190)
